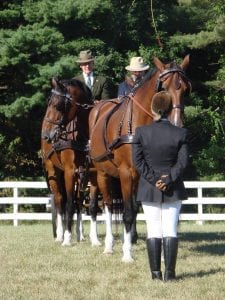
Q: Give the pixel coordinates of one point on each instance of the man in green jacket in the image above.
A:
(99, 85)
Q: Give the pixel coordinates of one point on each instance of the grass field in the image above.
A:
(33, 266)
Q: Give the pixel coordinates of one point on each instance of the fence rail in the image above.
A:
(15, 188)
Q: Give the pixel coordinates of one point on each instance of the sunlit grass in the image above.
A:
(33, 266)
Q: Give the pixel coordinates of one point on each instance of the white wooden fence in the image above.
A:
(15, 199)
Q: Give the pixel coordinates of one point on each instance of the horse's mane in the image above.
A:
(146, 78)
(81, 85)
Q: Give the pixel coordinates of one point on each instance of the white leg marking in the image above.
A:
(109, 237)
(127, 247)
(59, 229)
(67, 238)
(94, 233)
(79, 228)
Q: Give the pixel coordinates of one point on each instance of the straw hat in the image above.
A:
(85, 56)
(161, 104)
(137, 64)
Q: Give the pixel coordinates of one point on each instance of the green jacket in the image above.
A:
(102, 89)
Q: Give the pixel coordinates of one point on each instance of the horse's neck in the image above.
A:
(144, 97)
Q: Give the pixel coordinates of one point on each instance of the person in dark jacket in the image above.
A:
(100, 86)
(137, 69)
(160, 155)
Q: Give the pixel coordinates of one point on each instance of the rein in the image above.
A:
(140, 106)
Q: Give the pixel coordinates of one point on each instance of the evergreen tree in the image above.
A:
(40, 39)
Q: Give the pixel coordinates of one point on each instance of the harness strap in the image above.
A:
(140, 106)
(108, 155)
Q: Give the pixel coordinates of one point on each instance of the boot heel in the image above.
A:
(157, 275)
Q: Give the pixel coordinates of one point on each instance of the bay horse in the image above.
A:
(64, 138)
(112, 126)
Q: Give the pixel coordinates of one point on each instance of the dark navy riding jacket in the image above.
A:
(124, 89)
(160, 149)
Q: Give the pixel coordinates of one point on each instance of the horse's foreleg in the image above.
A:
(59, 228)
(53, 180)
(69, 186)
(104, 184)
(93, 209)
(109, 236)
(128, 213)
(128, 218)
(79, 225)
(134, 234)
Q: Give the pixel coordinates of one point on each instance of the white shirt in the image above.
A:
(91, 77)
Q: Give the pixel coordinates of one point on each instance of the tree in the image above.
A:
(41, 39)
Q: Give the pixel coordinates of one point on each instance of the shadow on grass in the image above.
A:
(202, 236)
(212, 242)
(214, 249)
(200, 274)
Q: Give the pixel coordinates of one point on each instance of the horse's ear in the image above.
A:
(185, 62)
(159, 65)
(54, 82)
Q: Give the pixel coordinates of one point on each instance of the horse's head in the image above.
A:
(67, 96)
(172, 78)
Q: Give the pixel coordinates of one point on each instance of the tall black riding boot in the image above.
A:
(170, 247)
(154, 256)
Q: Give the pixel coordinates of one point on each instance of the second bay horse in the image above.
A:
(112, 127)
(64, 140)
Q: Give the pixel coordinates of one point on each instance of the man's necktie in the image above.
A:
(89, 82)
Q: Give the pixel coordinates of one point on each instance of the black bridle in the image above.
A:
(181, 74)
(60, 130)
(161, 78)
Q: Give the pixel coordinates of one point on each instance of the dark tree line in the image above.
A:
(41, 39)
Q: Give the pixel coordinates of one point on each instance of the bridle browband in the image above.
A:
(172, 70)
(69, 99)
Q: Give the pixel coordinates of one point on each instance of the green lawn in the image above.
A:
(33, 266)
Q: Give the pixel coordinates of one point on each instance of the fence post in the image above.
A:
(15, 206)
(200, 206)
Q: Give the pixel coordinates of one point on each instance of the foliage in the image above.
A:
(41, 39)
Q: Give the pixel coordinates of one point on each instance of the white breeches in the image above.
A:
(161, 218)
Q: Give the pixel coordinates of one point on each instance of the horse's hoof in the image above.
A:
(66, 244)
(108, 252)
(96, 244)
(80, 239)
(58, 240)
(127, 259)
